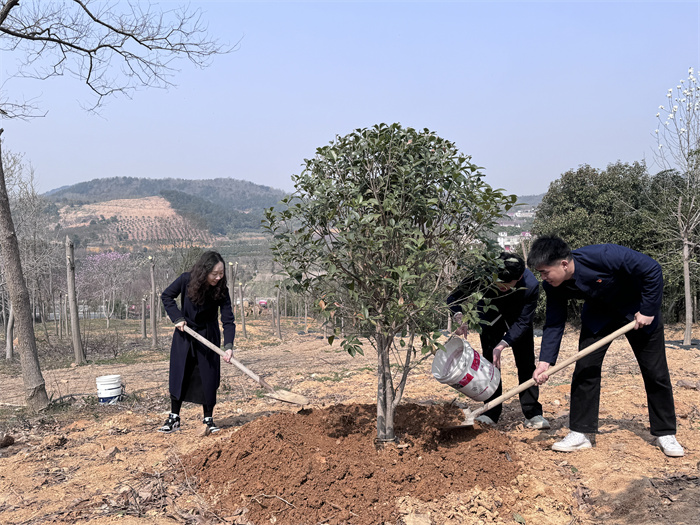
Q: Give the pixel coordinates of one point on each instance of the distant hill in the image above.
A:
(532, 200)
(126, 223)
(230, 194)
(219, 206)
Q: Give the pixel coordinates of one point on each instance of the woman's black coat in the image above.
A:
(203, 320)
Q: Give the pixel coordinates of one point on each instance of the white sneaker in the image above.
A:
(670, 446)
(574, 441)
(486, 420)
(537, 422)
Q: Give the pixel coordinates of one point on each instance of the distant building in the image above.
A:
(510, 243)
(514, 223)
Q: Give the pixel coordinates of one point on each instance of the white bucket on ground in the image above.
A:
(109, 389)
(464, 369)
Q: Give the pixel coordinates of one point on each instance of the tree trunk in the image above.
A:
(154, 327)
(60, 315)
(110, 305)
(32, 304)
(3, 309)
(279, 313)
(9, 337)
(240, 295)
(143, 317)
(64, 317)
(106, 307)
(73, 305)
(232, 274)
(44, 322)
(159, 307)
(385, 392)
(523, 245)
(53, 301)
(34, 385)
(687, 336)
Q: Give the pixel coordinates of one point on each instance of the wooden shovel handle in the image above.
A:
(553, 370)
(234, 361)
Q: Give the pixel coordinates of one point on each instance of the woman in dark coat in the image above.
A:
(194, 369)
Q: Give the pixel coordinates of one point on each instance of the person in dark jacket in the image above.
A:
(195, 370)
(618, 285)
(510, 324)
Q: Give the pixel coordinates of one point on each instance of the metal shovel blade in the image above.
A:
(288, 397)
(280, 395)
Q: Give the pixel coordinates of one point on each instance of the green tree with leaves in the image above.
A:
(374, 227)
(591, 206)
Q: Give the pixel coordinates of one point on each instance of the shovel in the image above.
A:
(280, 395)
(470, 415)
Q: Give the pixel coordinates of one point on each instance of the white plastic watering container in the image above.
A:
(109, 389)
(464, 369)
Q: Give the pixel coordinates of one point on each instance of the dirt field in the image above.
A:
(275, 463)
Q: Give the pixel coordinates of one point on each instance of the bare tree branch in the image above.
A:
(114, 47)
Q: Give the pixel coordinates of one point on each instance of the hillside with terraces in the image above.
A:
(125, 223)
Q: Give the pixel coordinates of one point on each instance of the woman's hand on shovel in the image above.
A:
(228, 355)
(540, 374)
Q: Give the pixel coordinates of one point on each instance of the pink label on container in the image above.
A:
(466, 379)
(476, 361)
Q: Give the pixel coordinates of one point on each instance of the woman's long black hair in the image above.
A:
(198, 289)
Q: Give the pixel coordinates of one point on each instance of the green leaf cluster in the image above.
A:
(591, 206)
(376, 225)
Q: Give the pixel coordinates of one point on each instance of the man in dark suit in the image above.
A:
(618, 285)
(506, 312)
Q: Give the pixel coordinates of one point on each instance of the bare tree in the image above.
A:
(232, 274)
(34, 385)
(240, 297)
(73, 304)
(105, 274)
(143, 317)
(9, 339)
(677, 201)
(154, 305)
(115, 48)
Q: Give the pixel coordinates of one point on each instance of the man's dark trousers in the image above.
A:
(650, 351)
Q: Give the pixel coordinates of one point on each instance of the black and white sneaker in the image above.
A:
(172, 424)
(209, 422)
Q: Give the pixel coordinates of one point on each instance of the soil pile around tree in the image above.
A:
(323, 466)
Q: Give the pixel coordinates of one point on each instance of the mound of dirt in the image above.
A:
(323, 466)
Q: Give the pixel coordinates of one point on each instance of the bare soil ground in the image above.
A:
(275, 463)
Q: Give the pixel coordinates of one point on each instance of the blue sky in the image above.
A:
(528, 89)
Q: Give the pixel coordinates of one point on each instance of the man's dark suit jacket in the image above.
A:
(615, 282)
